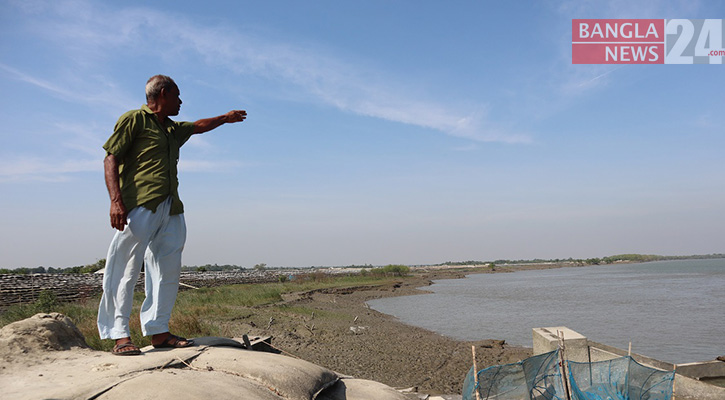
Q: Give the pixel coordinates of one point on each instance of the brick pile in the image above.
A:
(23, 289)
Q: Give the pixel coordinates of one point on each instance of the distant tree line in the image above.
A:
(212, 267)
(651, 257)
(81, 269)
(257, 267)
(388, 270)
(591, 261)
(503, 261)
(459, 263)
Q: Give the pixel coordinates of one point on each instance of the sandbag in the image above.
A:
(360, 389)
(178, 384)
(291, 378)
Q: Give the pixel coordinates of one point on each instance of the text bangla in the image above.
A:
(627, 30)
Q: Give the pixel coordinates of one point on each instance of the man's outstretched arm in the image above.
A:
(207, 124)
(118, 209)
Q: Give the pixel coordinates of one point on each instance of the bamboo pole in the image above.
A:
(560, 335)
(475, 373)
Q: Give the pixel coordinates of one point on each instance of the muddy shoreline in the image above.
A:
(336, 329)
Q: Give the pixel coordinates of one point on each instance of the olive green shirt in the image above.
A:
(148, 153)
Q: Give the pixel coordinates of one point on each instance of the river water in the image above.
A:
(669, 310)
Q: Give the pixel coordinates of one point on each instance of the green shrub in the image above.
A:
(90, 268)
(47, 302)
(389, 270)
(396, 270)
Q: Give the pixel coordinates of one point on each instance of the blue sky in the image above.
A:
(379, 132)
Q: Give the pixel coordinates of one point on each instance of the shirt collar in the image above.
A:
(145, 108)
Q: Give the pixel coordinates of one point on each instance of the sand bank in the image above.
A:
(337, 330)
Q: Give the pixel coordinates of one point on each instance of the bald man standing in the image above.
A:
(141, 177)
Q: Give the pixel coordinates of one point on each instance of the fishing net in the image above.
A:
(535, 378)
(619, 379)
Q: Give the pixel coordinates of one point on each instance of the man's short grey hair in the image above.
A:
(156, 83)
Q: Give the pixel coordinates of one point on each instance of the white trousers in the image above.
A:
(156, 240)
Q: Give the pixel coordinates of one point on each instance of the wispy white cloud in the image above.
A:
(338, 83)
(585, 78)
(89, 37)
(26, 168)
(15, 169)
(94, 91)
(567, 82)
(198, 142)
(50, 87)
(93, 33)
(81, 137)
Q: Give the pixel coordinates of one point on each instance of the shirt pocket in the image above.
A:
(151, 147)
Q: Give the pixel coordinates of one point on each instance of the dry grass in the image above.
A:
(202, 312)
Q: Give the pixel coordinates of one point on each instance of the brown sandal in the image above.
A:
(174, 342)
(118, 349)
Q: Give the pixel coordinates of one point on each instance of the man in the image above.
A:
(141, 177)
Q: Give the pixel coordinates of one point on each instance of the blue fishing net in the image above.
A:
(535, 378)
(619, 379)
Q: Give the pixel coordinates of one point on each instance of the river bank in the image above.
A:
(335, 328)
